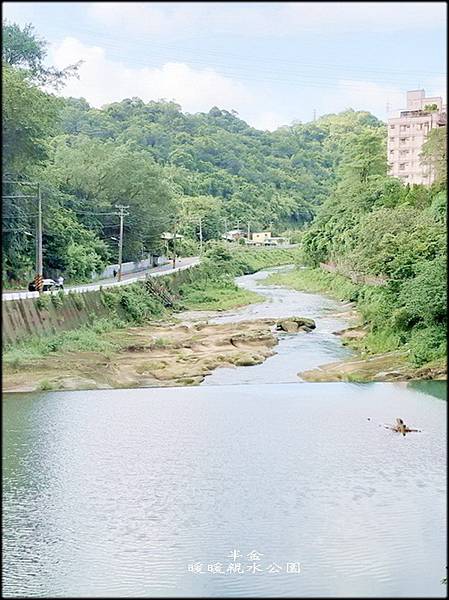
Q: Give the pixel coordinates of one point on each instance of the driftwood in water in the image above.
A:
(401, 427)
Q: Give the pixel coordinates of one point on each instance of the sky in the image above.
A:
(273, 62)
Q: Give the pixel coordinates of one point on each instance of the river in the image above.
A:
(252, 484)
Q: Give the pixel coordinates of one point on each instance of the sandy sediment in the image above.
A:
(175, 354)
(389, 366)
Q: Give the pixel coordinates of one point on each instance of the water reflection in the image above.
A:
(437, 389)
(115, 493)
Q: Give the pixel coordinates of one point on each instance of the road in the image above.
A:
(181, 264)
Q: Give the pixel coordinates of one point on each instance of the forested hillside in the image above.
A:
(170, 167)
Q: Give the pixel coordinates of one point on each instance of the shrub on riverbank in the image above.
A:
(88, 338)
(213, 286)
(405, 319)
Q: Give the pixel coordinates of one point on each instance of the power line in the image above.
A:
(110, 41)
(80, 212)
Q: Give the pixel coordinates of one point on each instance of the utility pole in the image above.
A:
(17, 180)
(201, 235)
(314, 114)
(175, 227)
(39, 255)
(122, 215)
(249, 230)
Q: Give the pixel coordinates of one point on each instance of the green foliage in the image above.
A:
(88, 337)
(376, 227)
(206, 295)
(29, 118)
(45, 385)
(424, 297)
(166, 165)
(138, 305)
(427, 344)
(22, 49)
(213, 287)
(57, 300)
(187, 247)
(434, 154)
(317, 281)
(43, 302)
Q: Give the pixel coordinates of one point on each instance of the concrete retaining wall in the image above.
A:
(30, 317)
(38, 317)
(353, 275)
(131, 267)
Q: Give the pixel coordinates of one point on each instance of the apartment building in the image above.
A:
(407, 133)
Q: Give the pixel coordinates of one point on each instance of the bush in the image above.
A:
(138, 304)
(427, 344)
(43, 302)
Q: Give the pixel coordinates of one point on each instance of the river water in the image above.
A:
(253, 484)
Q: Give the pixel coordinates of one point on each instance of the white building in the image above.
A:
(408, 132)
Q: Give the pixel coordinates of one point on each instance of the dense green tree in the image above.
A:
(434, 154)
(23, 49)
(29, 118)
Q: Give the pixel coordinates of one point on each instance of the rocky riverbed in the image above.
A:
(163, 354)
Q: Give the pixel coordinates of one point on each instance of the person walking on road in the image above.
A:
(61, 282)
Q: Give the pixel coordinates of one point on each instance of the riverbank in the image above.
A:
(369, 365)
(156, 355)
(182, 347)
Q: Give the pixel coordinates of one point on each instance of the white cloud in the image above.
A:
(270, 120)
(381, 100)
(371, 16)
(102, 81)
(270, 18)
(368, 95)
(198, 89)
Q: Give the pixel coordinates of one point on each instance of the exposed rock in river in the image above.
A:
(295, 324)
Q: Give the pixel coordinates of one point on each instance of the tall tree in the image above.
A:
(23, 49)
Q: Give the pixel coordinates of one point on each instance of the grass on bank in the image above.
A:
(386, 331)
(207, 296)
(213, 287)
(86, 338)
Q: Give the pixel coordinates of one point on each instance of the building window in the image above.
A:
(402, 166)
(403, 140)
(392, 126)
(392, 139)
